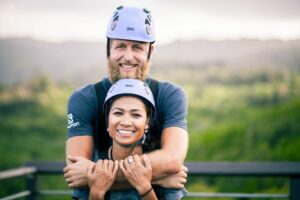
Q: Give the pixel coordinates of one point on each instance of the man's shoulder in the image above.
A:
(83, 95)
(84, 91)
(90, 89)
(166, 87)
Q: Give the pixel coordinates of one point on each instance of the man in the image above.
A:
(130, 38)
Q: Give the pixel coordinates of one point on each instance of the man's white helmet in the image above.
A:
(131, 23)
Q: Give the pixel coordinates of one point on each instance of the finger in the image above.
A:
(72, 158)
(66, 169)
(116, 167)
(180, 186)
(69, 180)
(130, 159)
(183, 174)
(99, 165)
(105, 165)
(121, 165)
(110, 165)
(184, 168)
(72, 185)
(137, 159)
(67, 175)
(146, 161)
(90, 170)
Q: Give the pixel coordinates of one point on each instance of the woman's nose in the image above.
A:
(125, 121)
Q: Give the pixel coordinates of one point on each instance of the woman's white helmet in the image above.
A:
(130, 87)
(131, 23)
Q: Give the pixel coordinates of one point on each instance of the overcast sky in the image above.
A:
(61, 20)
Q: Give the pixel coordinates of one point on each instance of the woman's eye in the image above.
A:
(117, 113)
(136, 115)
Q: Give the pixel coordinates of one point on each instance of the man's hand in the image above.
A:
(76, 173)
(175, 181)
(101, 178)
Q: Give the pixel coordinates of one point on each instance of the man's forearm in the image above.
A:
(79, 146)
(170, 158)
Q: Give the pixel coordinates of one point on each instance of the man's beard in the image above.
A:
(115, 75)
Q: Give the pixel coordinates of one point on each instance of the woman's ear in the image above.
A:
(147, 123)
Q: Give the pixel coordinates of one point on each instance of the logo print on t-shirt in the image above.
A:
(71, 121)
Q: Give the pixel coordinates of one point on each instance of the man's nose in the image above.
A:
(128, 54)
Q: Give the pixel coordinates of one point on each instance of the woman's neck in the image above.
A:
(119, 152)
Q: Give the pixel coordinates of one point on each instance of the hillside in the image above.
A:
(22, 59)
(81, 62)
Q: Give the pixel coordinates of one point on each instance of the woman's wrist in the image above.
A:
(97, 195)
(147, 192)
(143, 189)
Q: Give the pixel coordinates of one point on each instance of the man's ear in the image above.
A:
(151, 48)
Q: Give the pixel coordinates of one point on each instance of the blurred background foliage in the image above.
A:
(235, 114)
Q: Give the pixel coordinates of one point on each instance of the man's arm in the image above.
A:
(169, 159)
(79, 151)
(79, 146)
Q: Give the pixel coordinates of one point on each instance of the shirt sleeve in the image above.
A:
(82, 110)
(174, 106)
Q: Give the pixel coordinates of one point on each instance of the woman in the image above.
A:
(129, 108)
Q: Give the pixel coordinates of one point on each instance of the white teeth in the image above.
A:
(128, 66)
(125, 132)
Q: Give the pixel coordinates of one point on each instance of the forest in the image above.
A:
(235, 114)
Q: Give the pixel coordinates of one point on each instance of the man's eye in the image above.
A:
(138, 47)
(120, 46)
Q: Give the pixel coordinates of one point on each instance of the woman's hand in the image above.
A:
(76, 173)
(137, 173)
(101, 177)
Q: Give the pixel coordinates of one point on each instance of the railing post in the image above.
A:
(31, 186)
(294, 187)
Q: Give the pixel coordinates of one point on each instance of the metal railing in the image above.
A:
(290, 170)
